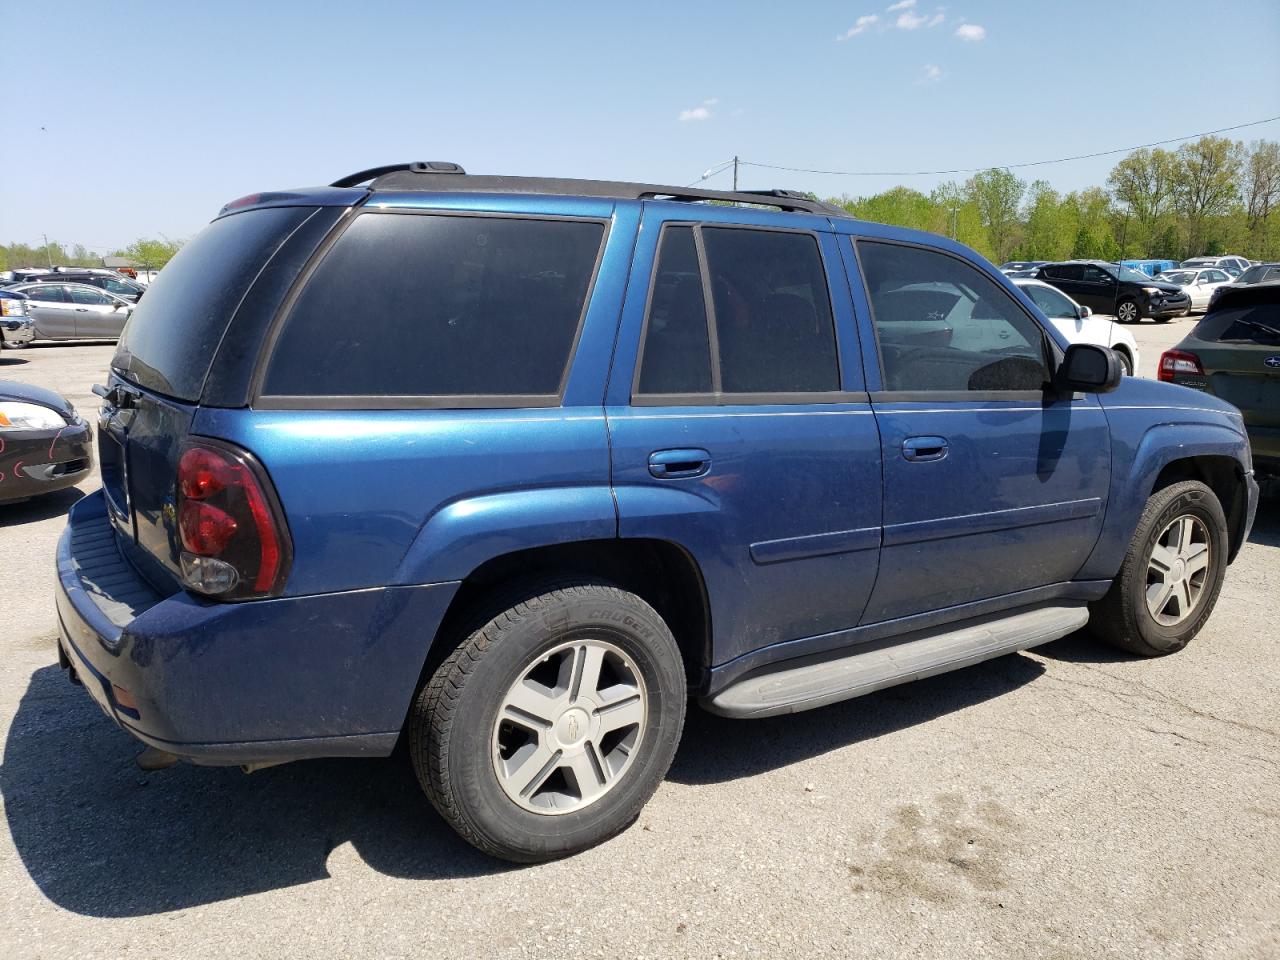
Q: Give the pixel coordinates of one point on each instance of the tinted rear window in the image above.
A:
(423, 305)
(1252, 324)
(169, 342)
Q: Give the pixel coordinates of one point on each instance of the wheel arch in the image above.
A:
(662, 573)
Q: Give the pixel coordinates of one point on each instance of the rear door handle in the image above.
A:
(924, 448)
(679, 464)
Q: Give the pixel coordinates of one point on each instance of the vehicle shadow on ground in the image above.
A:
(9, 360)
(773, 742)
(101, 838)
(43, 507)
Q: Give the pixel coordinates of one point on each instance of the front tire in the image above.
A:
(1127, 311)
(1126, 362)
(547, 730)
(1171, 576)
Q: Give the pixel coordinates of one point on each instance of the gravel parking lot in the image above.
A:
(1066, 802)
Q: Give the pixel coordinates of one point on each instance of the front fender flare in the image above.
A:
(1161, 445)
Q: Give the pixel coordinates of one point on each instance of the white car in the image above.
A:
(1079, 325)
(1198, 283)
(1233, 264)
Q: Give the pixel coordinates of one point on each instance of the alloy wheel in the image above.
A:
(568, 729)
(1178, 570)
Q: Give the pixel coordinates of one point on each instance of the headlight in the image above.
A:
(1152, 291)
(28, 416)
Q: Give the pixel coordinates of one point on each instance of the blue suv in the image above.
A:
(508, 468)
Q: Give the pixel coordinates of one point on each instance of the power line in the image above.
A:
(1004, 166)
(712, 171)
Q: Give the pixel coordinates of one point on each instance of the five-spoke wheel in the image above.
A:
(569, 727)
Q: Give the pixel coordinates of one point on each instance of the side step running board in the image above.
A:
(803, 685)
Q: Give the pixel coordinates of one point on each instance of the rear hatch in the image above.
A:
(159, 370)
(1239, 349)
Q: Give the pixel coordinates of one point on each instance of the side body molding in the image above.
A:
(463, 534)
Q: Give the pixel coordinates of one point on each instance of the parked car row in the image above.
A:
(60, 311)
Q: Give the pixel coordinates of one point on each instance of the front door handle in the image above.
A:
(924, 448)
(679, 464)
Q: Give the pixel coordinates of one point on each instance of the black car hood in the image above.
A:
(26, 393)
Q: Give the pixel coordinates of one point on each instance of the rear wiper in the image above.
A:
(1259, 325)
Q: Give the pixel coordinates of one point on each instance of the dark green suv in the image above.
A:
(1234, 353)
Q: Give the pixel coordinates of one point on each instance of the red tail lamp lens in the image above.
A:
(201, 474)
(227, 512)
(205, 529)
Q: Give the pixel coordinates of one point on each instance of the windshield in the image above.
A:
(1259, 273)
(1180, 277)
(1133, 276)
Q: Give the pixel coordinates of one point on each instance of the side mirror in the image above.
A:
(1088, 368)
(1082, 312)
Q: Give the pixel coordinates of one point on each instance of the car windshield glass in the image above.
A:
(1253, 274)
(1180, 277)
(1133, 276)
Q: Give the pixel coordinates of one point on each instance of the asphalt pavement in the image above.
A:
(1064, 803)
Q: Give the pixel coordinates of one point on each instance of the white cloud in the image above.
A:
(901, 5)
(936, 19)
(861, 24)
(932, 73)
(971, 32)
(910, 21)
(702, 112)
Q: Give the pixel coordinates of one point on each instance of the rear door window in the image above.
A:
(766, 334)
(439, 310)
(169, 342)
(1259, 323)
(49, 293)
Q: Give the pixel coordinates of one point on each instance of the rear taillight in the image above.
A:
(12, 308)
(234, 542)
(1179, 363)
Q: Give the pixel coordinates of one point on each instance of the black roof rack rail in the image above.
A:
(418, 166)
(406, 177)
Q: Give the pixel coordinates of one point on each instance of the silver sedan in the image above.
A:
(74, 311)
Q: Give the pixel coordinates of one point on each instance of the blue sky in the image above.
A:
(141, 119)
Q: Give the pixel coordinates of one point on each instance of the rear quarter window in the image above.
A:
(169, 342)
(438, 309)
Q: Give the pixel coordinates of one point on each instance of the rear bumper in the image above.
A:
(17, 330)
(1265, 445)
(36, 462)
(264, 681)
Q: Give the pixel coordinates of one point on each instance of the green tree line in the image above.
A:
(1210, 196)
(147, 253)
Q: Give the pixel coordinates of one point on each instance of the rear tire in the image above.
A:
(1171, 576)
(525, 754)
(1126, 362)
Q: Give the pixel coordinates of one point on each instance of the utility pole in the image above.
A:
(954, 211)
(47, 252)
(735, 174)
